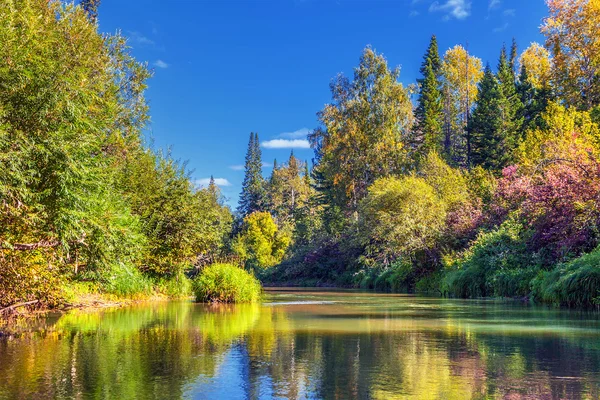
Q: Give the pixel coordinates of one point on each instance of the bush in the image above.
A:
(573, 284)
(493, 266)
(226, 283)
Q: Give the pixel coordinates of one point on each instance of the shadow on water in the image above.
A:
(307, 344)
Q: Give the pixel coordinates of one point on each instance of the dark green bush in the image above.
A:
(226, 283)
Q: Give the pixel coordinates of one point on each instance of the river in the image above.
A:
(307, 343)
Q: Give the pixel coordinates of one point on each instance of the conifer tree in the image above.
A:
(253, 190)
(513, 58)
(429, 117)
(487, 143)
(509, 102)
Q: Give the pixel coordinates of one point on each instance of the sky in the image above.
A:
(223, 69)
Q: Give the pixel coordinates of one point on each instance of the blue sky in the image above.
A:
(226, 68)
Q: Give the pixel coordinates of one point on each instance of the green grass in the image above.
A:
(574, 284)
(226, 283)
(126, 281)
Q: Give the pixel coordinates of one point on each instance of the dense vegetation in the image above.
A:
(226, 283)
(84, 204)
(487, 185)
(474, 182)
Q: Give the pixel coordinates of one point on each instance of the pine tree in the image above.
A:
(534, 102)
(487, 143)
(513, 58)
(509, 103)
(253, 188)
(429, 116)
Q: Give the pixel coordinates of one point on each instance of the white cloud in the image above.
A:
(218, 182)
(494, 4)
(510, 12)
(161, 64)
(236, 167)
(413, 13)
(286, 144)
(459, 9)
(136, 37)
(299, 134)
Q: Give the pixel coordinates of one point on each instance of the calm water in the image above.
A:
(307, 344)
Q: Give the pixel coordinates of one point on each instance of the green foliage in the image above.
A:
(252, 197)
(80, 195)
(401, 216)
(125, 281)
(574, 284)
(226, 283)
(429, 117)
(496, 259)
(261, 244)
(363, 133)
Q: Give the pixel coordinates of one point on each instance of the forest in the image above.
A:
(481, 179)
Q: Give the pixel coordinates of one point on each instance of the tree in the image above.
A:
(534, 102)
(489, 148)
(363, 133)
(288, 191)
(253, 190)
(401, 217)
(428, 130)
(260, 244)
(510, 106)
(536, 60)
(573, 37)
(512, 62)
(461, 74)
(91, 9)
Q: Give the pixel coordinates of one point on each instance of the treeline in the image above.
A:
(85, 205)
(488, 186)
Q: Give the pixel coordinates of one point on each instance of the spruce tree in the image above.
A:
(253, 189)
(534, 102)
(488, 147)
(510, 103)
(513, 58)
(428, 131)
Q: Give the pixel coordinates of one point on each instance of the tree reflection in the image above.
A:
(175, 350)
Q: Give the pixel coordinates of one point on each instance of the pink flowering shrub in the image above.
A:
(559, 201)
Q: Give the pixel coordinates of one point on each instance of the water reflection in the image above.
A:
(306, 344)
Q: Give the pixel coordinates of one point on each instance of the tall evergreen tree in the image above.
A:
(513, 58)
(429, 115)
(534, 100)
(509, 103)
(253, 188)
(488, 147)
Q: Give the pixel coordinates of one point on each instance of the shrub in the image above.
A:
(573, 284)
(488, 266)
(226, 283)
